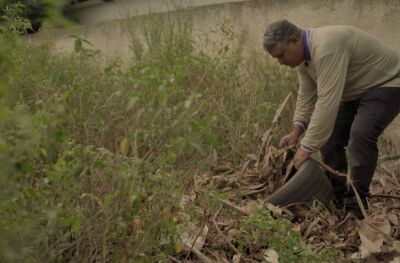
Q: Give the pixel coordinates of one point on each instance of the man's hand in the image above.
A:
(300, 156)
(290, 139)
(293, 137)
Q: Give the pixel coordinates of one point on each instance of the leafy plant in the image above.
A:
(95, 158)
(261, 232)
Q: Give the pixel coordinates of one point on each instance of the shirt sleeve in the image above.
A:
(306, 98)
(331, 78)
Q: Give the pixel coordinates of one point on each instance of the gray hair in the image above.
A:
(278, 32)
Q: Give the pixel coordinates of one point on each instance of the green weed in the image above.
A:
(95, 158)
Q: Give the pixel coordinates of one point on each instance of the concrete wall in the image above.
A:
(102, 25)
(97, 11)
(379, 17)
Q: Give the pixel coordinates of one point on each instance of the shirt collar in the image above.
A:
(307, 55)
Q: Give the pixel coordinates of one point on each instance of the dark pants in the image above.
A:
(358, 125)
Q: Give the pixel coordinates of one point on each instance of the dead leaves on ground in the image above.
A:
(238, 189)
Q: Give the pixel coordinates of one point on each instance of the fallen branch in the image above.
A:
(266, 139)
(329, 169)
(288, 172)
(359, 201)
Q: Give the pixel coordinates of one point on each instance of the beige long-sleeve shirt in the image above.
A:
(345, 63)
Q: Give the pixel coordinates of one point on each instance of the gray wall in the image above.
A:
(102, 25)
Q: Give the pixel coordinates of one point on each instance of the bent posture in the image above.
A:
(349, 91)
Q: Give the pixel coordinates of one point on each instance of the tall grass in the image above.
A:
(95, 159)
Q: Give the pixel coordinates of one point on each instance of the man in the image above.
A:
(349, 91)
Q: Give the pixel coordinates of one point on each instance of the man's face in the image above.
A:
(290, 54)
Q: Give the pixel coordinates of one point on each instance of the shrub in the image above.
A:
(95, 158)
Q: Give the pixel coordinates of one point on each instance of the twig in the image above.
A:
(255, 191)
(232, 247)
(391, 158)
(386, 196)
(237, 208)
(329, 169)
(350, 181)
(388, 209)
(311, 226)
(266, 139)
(201, 256)
(174, 259)
(386, 170)
(194, 241)
(221, 260)
(217, 213)
(359, 201)
(226, 202)
(288, 171)
(344, 220)
(244, 167)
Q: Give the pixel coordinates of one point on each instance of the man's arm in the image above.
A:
(306, 98)
(331, 78)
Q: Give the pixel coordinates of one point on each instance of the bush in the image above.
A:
(95, 158)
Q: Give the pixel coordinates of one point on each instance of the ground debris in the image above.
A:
(239, 191)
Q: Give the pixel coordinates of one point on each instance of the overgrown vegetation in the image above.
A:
(95, 158)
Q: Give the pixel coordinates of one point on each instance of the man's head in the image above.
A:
(284, 41)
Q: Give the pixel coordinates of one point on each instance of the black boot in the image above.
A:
(351, 206)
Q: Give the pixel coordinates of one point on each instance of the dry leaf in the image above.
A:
(192, 236)
(219, 256)
(136, 224)
(396, 245)
(187, 199)
(389, 187)
(257, 130)
(371, 259)
(250, 205)
(236, 259)
(296, 227)
(274, 209)
(224, 221)
(377, 190)
(393, 219)
(372, 240)
(252, 156)
(123, 144)
(271, 256)
(225, 167)
(256, 186)
(355, 255)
